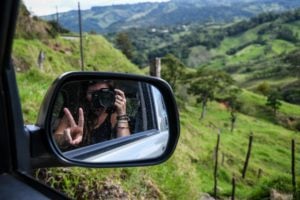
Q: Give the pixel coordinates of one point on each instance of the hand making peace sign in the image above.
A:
(74, 132)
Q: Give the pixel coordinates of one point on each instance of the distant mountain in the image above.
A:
(175, 12)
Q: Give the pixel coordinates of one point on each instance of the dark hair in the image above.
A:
(87, 84)
(90, 116)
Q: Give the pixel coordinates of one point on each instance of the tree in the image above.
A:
(58, 28)
(263, 88)
(172, 69)
(124, 44)
(273, 101)
(234, 106)
(206, 85)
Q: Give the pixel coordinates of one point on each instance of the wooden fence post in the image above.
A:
(223, 158)
(155, 67)
(293, 169)
(233, 188)
(41, 59)
(248, 155)
(259, 173)
(80, 34)
(216, 166)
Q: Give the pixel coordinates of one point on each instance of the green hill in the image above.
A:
(252, 63)
(262, 50)
(61, 55)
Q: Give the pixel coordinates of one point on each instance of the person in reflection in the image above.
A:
(102, 117)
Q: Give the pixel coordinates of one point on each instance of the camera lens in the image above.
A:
(103, 98)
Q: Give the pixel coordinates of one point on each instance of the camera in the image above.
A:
(103, 98)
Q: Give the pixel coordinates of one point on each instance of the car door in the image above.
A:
(15, 179)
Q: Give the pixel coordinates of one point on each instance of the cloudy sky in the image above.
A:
(44, 7)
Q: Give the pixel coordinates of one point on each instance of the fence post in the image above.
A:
(80, 34)
(248, 155)
(41, 59)
(155, 67)
(293, 169)
(259, 173)
(233, 188)
(223, 158)
(216, 165)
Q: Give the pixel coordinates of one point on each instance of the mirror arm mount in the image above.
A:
(41, 154)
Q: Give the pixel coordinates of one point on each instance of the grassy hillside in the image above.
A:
(269, 154)
(189, 173)
(61, 55)
(264, 54)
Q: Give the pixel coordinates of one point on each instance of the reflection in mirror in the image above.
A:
(110, 121)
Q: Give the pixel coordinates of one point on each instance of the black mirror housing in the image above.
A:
(83, 156)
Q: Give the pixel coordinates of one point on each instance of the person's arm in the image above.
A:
(122, 125)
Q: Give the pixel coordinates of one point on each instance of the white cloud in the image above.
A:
(45, 7)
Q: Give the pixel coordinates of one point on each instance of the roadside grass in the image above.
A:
(32, 88)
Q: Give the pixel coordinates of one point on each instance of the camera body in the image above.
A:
(104, 98)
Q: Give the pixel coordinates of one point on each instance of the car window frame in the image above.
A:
(15, 165)
(92, 150)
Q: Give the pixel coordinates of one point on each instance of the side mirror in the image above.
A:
(110, 119)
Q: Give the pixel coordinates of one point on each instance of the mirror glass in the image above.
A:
(109, 121)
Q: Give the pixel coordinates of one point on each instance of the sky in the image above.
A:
(45, 7)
